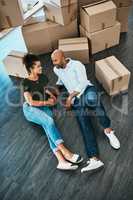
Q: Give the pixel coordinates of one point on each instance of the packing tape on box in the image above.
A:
(120, 77)
(120, 4)
(9, 21)
(103, 25)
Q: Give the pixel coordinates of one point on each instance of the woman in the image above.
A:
(37, 109)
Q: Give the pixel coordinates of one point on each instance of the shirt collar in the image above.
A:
(68, 65)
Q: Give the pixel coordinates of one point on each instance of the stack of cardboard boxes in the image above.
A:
(61, 23)
(99, 29)
(98, 23)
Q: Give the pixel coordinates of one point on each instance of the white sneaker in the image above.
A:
(93, 164)
(114, 142)
(66, 166)
(76, 159)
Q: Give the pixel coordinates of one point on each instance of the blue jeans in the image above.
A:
(43, 116)
(85, 107)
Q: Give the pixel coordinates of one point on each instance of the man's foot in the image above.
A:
(64, 165)
(75, 159)
(93, 164)
(114, 142)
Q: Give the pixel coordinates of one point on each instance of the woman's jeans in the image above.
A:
(85, 107)
(43, 116)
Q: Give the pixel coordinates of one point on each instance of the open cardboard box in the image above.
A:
(98, 16)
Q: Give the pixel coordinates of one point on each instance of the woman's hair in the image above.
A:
(29, 60)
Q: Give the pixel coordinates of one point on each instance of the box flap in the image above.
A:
(99, 7)
(106, 70)
(117, 66)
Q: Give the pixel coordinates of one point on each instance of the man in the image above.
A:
(82, 96)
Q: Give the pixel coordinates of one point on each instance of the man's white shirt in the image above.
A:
(73, 77)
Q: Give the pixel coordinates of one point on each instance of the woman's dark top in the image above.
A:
(36, 88)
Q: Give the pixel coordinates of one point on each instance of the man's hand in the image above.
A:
(68, 103)
(69, 100)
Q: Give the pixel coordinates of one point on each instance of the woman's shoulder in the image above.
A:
(44, 77)
(25, 81)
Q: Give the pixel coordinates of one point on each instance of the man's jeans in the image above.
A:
(88, 104)
(43, 116)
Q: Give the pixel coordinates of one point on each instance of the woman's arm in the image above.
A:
(31, 102)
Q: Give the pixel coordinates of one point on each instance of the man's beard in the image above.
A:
(60, 66)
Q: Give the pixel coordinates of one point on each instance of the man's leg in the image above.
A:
(86, 128)
(84, 121)
(93, 101)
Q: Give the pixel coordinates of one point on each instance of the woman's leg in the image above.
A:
(36, 115)
(43, 117)
(65, 151)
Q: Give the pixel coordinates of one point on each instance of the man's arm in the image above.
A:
(82, 79)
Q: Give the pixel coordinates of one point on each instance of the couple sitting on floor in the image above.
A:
(83, 96)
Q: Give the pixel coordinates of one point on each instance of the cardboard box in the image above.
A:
(113, 75)
(76, 48)
(122, 17)
(98, 16)
(60, 3)
(103, 39)
(14, 64)
(122, 3)
(61, 15)
(43, 37)
(12, 14)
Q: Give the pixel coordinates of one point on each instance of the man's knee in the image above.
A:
(92, 99)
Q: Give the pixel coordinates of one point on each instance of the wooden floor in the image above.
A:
(27, 165)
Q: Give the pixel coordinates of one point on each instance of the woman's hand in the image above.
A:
(52, 96)
(51, 102)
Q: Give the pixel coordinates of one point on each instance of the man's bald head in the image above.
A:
(58, 52)
(58, 58)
